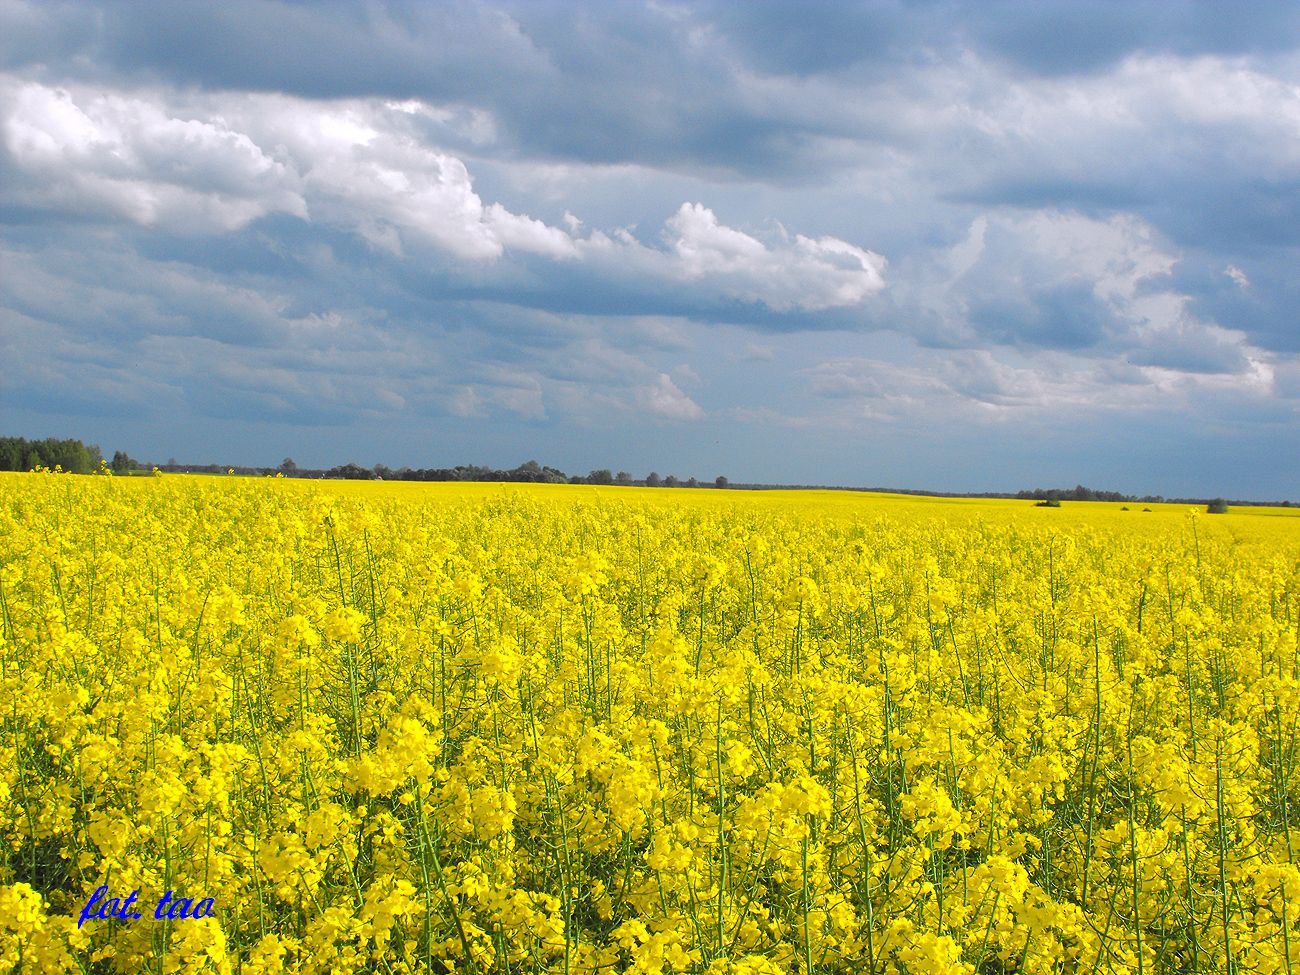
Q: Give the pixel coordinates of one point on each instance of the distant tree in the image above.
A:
(602, 476)
(1217, 507)
(721, 482)
(121, 462)
(350, 472)
(529, 472)
(671, 481)
(623, 477)
(652, 480)
(287, 465)
(383, 472)
(692, 482)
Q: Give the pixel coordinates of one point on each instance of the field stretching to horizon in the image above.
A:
(487, 728)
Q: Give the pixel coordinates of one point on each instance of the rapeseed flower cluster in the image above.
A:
(416, 728)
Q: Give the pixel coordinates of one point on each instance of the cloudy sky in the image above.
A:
(958, 246)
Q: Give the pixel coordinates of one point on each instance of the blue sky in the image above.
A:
(958, 246)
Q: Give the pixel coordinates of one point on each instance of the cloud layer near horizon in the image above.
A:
(913, 245)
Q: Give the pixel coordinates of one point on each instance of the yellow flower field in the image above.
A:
(431, 728)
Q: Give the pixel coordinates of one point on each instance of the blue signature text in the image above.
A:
(102, 908)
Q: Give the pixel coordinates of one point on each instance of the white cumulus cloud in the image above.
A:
(130, 158)
(802, 273)
(664, 398)
(1058, 279)
(215, 162)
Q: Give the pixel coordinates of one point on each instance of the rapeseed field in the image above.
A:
(267, 725)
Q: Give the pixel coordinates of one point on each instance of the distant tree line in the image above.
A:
(17, 454)
(1079, 493)
(529, 472)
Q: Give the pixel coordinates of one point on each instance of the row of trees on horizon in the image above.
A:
(18, 454)
(529, 472)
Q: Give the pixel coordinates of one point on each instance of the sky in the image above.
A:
(952, 246)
